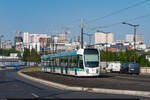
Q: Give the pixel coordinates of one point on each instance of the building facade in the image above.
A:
(76, 38)
(139, 38)
(6, 44)
(34, 41)
(104, 38)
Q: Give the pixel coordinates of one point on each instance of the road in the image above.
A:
(14, 86)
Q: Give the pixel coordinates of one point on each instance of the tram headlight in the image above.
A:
(87, 71)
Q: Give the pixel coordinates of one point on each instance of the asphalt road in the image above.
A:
(14, 86)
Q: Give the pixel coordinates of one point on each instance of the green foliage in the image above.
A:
(142, 61)
(6, 52)
(123, 57)
(31, 69)
(31, 56)
(26, 54)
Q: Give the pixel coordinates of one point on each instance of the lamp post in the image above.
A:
(134, 39)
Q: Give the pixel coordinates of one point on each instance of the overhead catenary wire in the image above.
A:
(117, 23)
(118, 11)
(67, 27)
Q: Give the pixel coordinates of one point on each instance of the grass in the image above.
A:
(32, 69)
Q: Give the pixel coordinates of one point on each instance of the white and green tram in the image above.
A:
(82, 62)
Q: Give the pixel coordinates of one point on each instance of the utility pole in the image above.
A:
(82, 33)
(134, 39)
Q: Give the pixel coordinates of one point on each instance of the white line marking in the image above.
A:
(34, 95)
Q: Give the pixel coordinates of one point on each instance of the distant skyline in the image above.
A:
(47, 16)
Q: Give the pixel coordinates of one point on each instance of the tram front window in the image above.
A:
(91, 60)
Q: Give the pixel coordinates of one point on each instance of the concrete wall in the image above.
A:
(145, 70)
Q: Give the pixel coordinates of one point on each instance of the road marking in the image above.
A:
(34, 95)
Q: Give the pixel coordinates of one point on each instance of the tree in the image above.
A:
(6, 52)
(31, 56)
(143, 61)
(127, 56)
(26, 54)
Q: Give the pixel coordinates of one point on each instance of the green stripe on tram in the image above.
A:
(57, 55)
(64, 68)
(71, 69)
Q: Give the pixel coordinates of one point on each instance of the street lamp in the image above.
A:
(134, 26)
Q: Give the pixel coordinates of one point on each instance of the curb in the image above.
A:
(86, 89)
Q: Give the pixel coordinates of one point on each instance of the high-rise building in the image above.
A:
(18, 43)
(6, 44)
(34, 41)
(62, 38)
(104, 38)
(76, 38)
(139, 38)
(25, 38)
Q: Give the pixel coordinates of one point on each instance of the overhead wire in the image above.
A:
(117, 23)
(66, 27)
(118, 11)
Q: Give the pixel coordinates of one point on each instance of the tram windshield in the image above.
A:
(91, 58)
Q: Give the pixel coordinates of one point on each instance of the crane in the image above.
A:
(18, 34)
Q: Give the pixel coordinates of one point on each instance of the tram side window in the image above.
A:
(69, 61)
(42, 63)
(74, 61)
(54, 62)
(66, 61)
(80, 64)
(62, 62)
(57, 62)
(49, 62)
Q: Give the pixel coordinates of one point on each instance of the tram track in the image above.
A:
(104, 81)
(143, 78)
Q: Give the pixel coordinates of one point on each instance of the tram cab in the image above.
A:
(91, 61)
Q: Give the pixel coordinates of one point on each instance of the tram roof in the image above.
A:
(69, 53)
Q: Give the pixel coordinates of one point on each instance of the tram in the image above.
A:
(82, 62)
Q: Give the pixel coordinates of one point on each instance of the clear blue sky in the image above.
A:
(44, 16)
